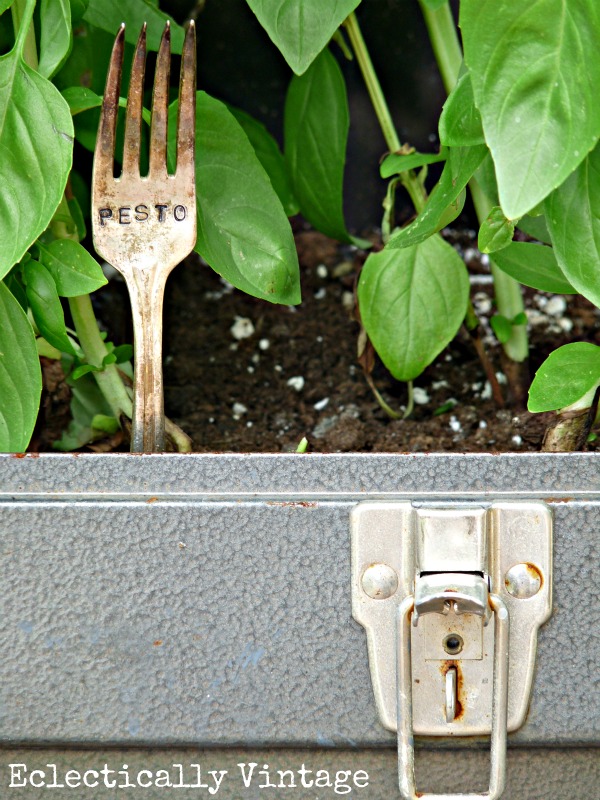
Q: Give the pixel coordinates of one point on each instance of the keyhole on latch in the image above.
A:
(453, 644)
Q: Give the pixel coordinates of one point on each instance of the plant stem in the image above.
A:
(570, 430)
(385, 406)
(373, 86)
(22, 15)
(509, 298)
(410, 402)
(409, 179)
(62, 224)
(86, 326)
(448, 54)
(446, 47)
(94, 349)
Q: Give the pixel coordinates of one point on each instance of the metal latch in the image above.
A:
(452, 596)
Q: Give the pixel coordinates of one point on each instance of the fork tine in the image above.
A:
(105, 141)
(133, 120)
(186, 120)
(160, 103)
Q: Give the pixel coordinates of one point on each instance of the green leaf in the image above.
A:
(84, 369)
(46, 306)
(5, 4)
(502, 327)
(109, 14)
(434, 4)
(243, 231)
(573, 217)
(88, 60)
(36, 142)
(442, 206)
(104, 423)
(485, 176)
(535, 74)
(13, 282)
(395, 163)
(316, 131)
(533, 265)
(496, 232)
(301, 28)
(74, 270)
(20, 376)
(412, 302)
(123, 353)
(87, 401)
(445, 407)
(81, 99)
(460, 121)
(77, 217)
(536, 227)
(45, 349)
(270, 156)
(86, 129)
(302, 445)
(56, 37)
(78, 9)
(81, 191)
(566, 376)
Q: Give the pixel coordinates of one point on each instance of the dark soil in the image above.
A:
(296, 375)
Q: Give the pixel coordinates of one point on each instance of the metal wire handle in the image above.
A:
(406, 748)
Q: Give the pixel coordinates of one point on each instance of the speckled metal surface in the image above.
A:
(146, 609)
(232, 476)
(533, 774)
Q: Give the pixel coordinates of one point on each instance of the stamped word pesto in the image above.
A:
(125, 215)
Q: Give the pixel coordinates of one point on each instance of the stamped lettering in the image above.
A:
(105, 213)
(161, 212)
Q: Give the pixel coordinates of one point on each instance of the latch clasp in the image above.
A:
(451, 597)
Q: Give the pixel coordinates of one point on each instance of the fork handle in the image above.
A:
(146, 292)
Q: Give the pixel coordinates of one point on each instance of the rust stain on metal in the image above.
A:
(460, 705)
(534, 573)
(293, 503)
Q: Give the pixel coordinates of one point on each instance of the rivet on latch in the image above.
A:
(379, 581)
(523, 581)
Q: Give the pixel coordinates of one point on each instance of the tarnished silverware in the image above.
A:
(144, 226)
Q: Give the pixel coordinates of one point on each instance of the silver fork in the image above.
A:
(144, 226)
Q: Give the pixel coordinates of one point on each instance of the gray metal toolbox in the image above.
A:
(197, 609)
